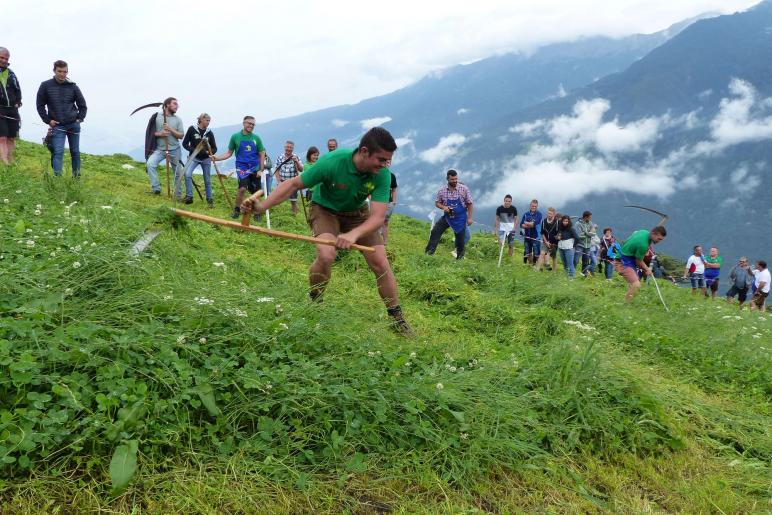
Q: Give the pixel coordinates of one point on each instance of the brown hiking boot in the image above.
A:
(400, 326)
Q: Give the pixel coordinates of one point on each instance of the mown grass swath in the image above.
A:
(202, 353)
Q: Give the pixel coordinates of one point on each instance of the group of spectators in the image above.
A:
(703, 273)
(582, 247)
(60, 105)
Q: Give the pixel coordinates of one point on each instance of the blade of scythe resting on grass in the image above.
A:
(141, 244)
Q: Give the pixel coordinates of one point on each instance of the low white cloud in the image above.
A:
(743, 117)
(461, 111)
(585, 128)
(374, 122)
(403, 142)
(339, 123)
(561, 91)
(446, 148)
(527, 129)
(743, 181)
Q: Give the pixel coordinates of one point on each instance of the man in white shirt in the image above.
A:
(695, 270)
(762, 280)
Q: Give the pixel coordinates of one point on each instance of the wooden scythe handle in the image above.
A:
(262, 230)
(255, 196)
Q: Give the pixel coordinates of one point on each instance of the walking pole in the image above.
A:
(168, 163)
(659, 292)
(219, 177)
(501, 250)
(267, 211)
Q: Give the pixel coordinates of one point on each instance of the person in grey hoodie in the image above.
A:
(741, 277)
(62, 107)
(585, 229)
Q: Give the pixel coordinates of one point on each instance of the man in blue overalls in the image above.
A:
(250, 160)
(456, 202)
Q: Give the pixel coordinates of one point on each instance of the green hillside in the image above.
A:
(198, 378)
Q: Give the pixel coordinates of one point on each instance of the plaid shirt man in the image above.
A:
(287, 170)
(459, 192)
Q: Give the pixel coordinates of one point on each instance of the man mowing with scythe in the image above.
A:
(341, 183)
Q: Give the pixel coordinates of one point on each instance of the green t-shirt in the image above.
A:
(4, 78)
(247, 148)
(339, 186)
(637, 244)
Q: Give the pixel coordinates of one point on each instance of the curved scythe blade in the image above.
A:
(663, 215)
(151, 104)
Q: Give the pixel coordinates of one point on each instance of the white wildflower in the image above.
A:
(93, 244)
(39, 206)
(268, 386)
(5, 201)
(168, 297)
(203, 301)
(259, 299)
(279, 309)
(452, 369)
(28, 231)
(181, 338)
(18, 191)
(370, 354)
(68, 291)
(38, 212)
(464, 436)
(283, 326)
(218, 263)
(84, 221)
(412, 355)
(76, 249)
(127, 166)
(53, 253)
(107, 207)
(202, 340)
(407, 363)
(30, 243)
(440, 386)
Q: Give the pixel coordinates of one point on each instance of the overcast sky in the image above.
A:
(276, 59)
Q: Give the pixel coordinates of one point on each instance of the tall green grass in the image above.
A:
(204, 351)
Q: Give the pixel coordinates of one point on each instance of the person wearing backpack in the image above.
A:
(608, 246)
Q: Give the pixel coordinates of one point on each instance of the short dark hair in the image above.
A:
(507, 196)
(761, 263)
(168, 101)
(451, 173)
(289, 141)
(332, 139)
(697, 247)
(606, 229)
(660, 230)
(586, 214)
(377, 139)
(59, 64)
(248, 117)
(566, 217)
(311, 150)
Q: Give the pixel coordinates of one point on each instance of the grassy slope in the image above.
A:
(303, 408)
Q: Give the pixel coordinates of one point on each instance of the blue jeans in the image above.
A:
(567, 257)
(206, 168)
(152, 165)
(608, 267)
(583, 254)
(71, 131)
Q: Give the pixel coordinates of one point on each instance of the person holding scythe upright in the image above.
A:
(167, 131)
(341, 182)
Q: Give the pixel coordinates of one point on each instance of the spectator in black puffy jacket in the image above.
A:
(10, 102)
(61, 105)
